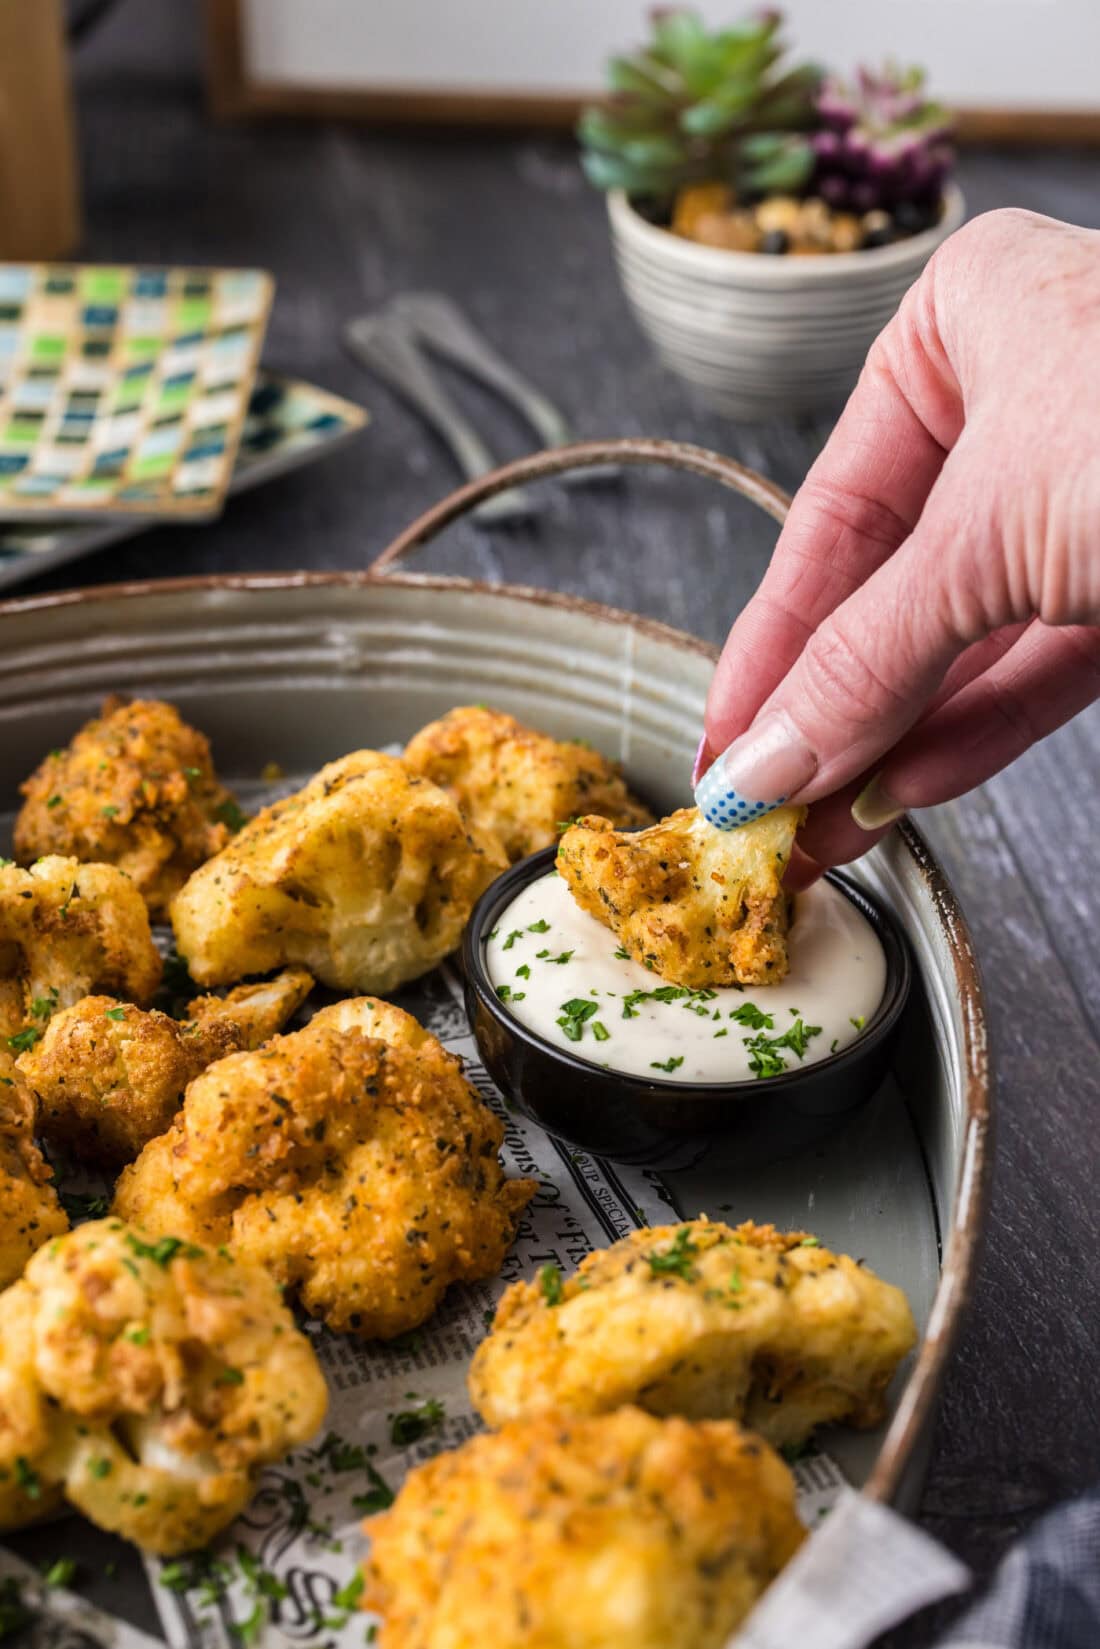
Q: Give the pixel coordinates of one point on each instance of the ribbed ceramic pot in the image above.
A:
(760, 335)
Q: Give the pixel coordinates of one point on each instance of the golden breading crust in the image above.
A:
(30, 1212)
(517, 783)
(68, 929)
(135, 788)
(622, 1532)
(366, 876)
(697, 905)
(149, 1381)
(706, 1321)
(109, 1077)
(361, 1173)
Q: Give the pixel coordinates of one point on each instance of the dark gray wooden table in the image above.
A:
(344, 218)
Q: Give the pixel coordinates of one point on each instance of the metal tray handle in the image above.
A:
(678, 455)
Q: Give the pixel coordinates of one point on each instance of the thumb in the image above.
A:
(864, 676)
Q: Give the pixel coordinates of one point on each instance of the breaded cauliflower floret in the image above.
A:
(517, 783)
(149, 1381)
(68, 929)
(705, 1321)
(109, 1077)
(697, 905)
(361, 1172)
(135, 788)
(367, 877)
(622, 1532)
(30, 1212)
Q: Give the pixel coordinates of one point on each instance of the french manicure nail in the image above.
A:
(874, 807)
(700, 761)
(757, 773)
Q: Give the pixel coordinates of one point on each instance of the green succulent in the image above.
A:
(695, 106)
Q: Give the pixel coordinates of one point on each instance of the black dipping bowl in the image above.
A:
(659, 1124)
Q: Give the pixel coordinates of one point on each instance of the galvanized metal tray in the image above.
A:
(301, 668)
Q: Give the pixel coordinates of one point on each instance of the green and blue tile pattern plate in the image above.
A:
(123, 389)
(288, 424)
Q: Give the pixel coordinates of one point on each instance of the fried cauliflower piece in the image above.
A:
(367, 877)
(352, 1159)
(149, 1381)
(135, 788)
(703, 1320)
(697, 905)
(68, 929)
(620, 1532)
(30, 1212)
(109, 1077)
(517, 783)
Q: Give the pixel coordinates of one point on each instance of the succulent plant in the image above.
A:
(697, 106)
(881, 143)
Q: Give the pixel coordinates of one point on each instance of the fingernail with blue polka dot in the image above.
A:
(724, 807)
(757, 772)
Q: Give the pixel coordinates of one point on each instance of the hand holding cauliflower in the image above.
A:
(518, 784)
(109, 1077)
(147, 1381)
(701, 1320)
(366, 877)
(699, 906)
(558, 1533)
(351, 1159)
(135, 788)
(66, 930)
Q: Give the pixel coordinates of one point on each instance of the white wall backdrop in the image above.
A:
(1027, 54)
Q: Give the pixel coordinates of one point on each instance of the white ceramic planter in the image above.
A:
(760, 335)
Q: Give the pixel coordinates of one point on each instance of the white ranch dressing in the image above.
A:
(836, 980)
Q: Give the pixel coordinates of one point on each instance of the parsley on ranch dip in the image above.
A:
(565, 976)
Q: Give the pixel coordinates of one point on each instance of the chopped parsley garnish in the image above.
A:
(79, 1206)
(600, 1031)
(377, 1497)
(61, 1572)
(565, 956)
(116, 1014)
(100, 1467)
(54, 801)
(516, 933)
(765, 1052)
(523, 972)
(164, 1250)
(722, 1032)
(507, 994)
(412, 1424)
(14, 1615)
(24, 1040)
(550, 1284)
(574, 1014)
(810, 1242)
(752, 1016)
(348, 1596)
(27, 1478)
(43, 1006)
(676, 1260)
(672, 1063)
(110, 811)
(859, 1020)
(230, 814)
(229, 1377)
(541, 926)
(622, 955)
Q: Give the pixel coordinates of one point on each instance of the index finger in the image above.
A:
(860, 501)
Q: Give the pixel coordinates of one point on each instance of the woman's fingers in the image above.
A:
(861, 499)
(1035, 686)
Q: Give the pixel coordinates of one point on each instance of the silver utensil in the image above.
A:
(384, 343)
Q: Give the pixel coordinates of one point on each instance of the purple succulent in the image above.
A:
(881, 143)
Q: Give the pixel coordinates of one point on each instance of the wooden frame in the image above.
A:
(232, 96)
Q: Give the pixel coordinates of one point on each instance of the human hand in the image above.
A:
(932, 605)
